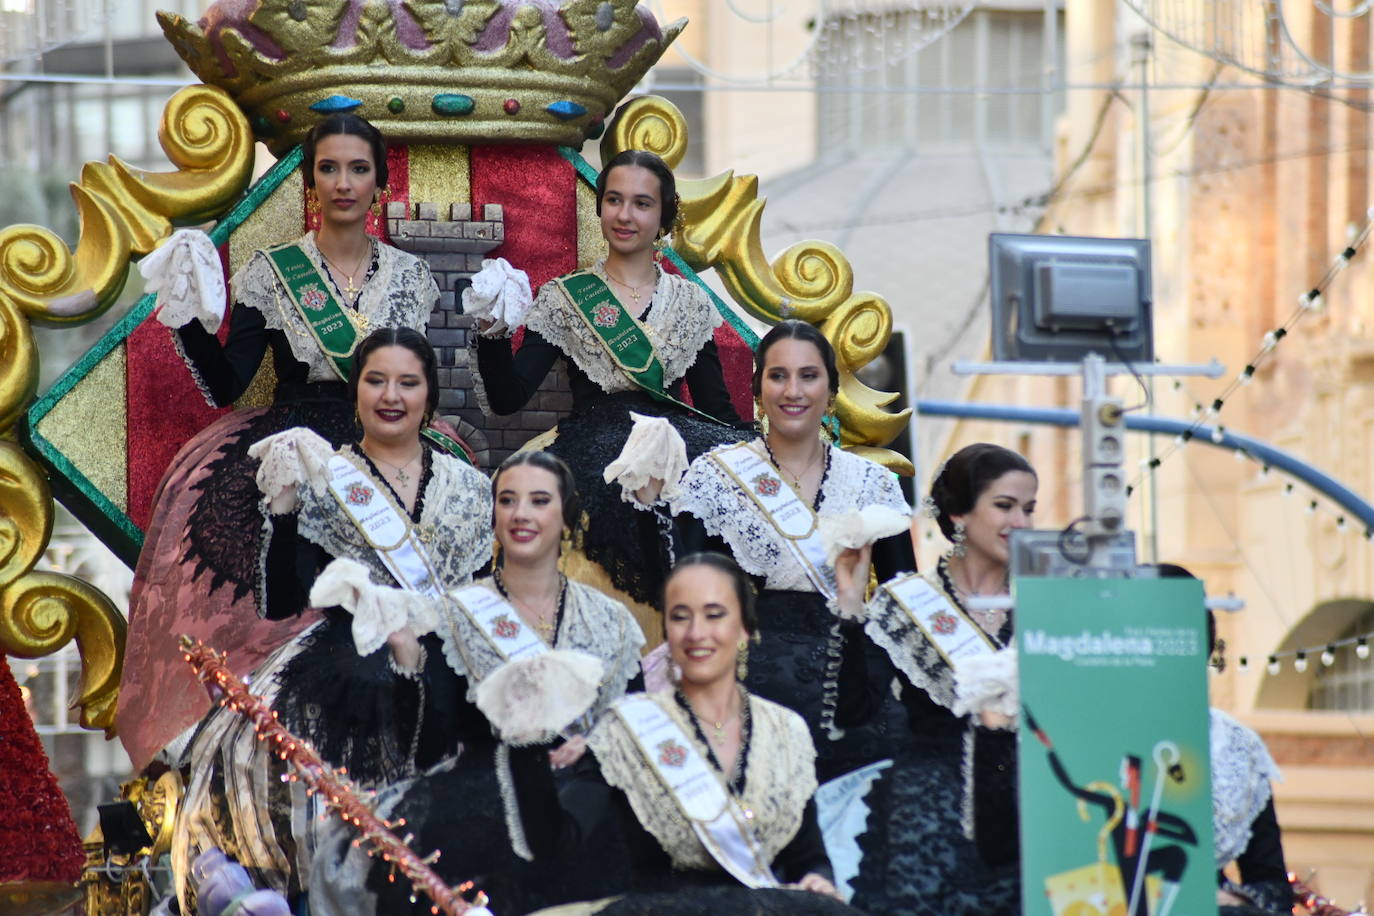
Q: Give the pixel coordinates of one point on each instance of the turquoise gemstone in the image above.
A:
(452, 103)
(336, 103)
(565, 110)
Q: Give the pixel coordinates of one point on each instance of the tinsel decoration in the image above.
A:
(339, 791)
(38, 840)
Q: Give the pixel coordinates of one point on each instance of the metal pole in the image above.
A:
(1141, 47)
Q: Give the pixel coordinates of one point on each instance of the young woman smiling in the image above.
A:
(380, 526)
(464, 805)
(761, 502)
(634, 337)
(199, 559)
(930, 849)
(657, 761)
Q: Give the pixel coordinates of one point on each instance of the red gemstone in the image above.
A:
(512, 106)
(283, 116)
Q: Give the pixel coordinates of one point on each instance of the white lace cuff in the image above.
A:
(988, 682)
(532, 699)
(287, 460)
(654, 449)
(186, 274)
(378, 610)
(858, 528)
(500, 293)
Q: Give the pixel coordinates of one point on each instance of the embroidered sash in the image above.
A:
(944, 624)
(625, 340)
(784, 508)
(719, 821)
(384, 527)
(335, 330)
(499, 623)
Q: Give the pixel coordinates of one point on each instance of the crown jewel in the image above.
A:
(468, 71)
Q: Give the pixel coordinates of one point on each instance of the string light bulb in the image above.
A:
(1273, 667)
(1328, 656)
(1362, 648)
(1300, 662)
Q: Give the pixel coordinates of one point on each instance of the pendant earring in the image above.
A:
(312, 202)
(830, 424)
(742, 661)
(760, 418)
(959, 543)
(674, 673)
(658, 247)
(495, 554)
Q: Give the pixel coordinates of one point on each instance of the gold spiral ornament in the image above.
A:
(26, 513)
(43, 611)
(18, 364)
(816, 277)
(649, 123)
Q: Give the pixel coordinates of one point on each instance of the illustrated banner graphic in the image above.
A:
(1116, 813)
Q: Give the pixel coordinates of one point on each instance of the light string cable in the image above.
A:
(338, 790)
(1309, 302)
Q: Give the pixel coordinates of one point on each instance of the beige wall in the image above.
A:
(1253, 194)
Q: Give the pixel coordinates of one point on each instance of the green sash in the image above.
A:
(625, 339)
(335, 330)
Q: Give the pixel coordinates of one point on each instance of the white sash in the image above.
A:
(384, 526)
(492, 615)
(944, 624)
(784, 508)
(720, 823)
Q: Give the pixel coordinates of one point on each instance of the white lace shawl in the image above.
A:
(709, 493)
(1241, 773)
(592, 622)
(680, 323)
(455, 522)
(401, 293)
(780, 778)
(891, 629)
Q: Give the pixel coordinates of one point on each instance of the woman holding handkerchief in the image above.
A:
(633, 337)
(373, 532)
(772, 504)
(707, 787)
(515, 661)
(943, 836)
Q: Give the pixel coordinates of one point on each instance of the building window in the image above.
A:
(877, 92)
(1348, 684)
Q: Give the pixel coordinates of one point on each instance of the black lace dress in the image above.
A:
(600, 807)
(803, 648)
(199, 562)
(943, 836)
(682, 320)
(462, 803)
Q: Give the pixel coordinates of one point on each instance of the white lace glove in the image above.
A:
(988, 682)
(500, 294)
(653, 450)
(860, 527)
(186, 273)
(285, 461)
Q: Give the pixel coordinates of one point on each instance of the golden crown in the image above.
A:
(464, 71)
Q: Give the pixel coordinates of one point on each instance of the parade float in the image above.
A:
(487, 106)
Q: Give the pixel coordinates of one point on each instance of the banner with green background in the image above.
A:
(1116, 813)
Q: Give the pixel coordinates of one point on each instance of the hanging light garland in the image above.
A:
(332, 784)
(1309, 302)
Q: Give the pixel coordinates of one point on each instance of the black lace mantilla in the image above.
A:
(225, 529)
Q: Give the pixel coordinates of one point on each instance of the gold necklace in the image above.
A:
(796, 478)
(717, 727)
(350, 290)
(401, 476)
(634, 290)
(541, 623)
